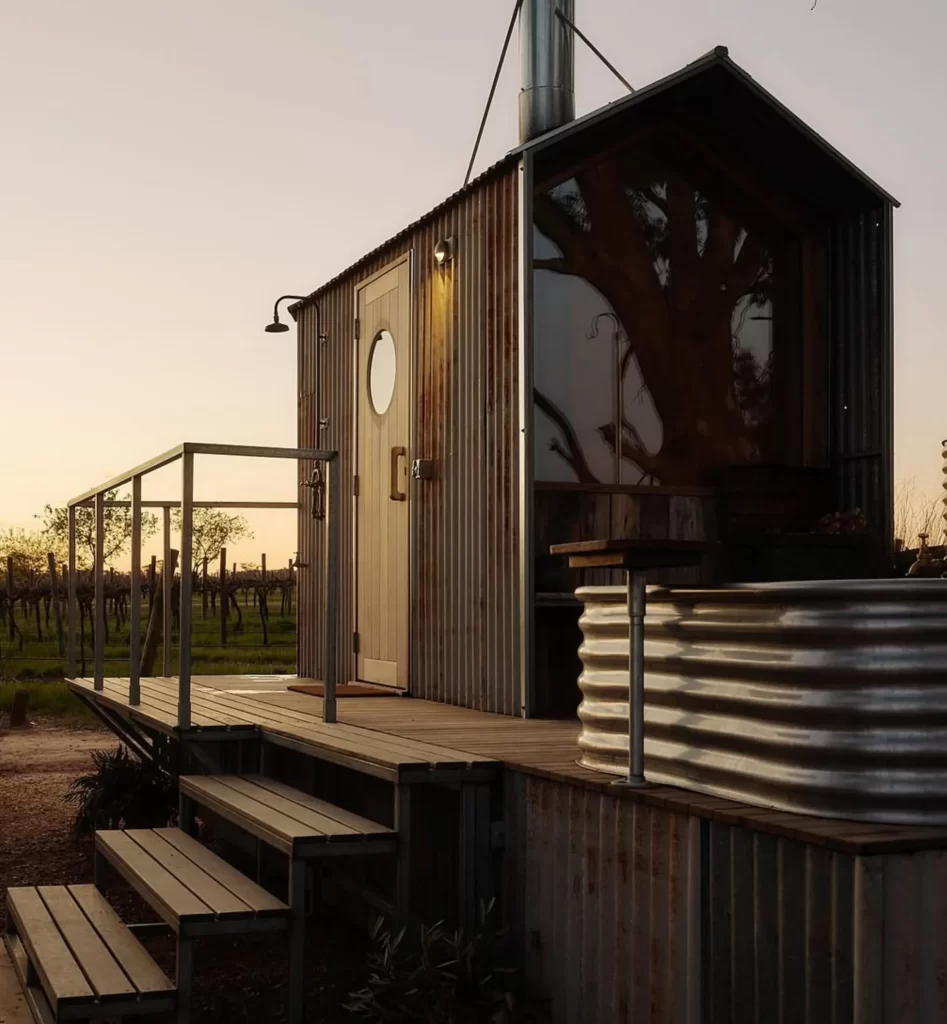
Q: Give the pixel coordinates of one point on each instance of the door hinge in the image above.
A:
(355, 485)
(357, 327)
(355, 643)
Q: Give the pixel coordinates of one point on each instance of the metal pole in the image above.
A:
(134, 675)
(331, 556)
(167, 582)
(184, 641)
(99, 657)
(636, 607)
(71, 596)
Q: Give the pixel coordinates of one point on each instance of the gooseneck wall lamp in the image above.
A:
(276, 327)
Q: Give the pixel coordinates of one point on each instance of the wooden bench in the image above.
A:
(193, 891)
(298, 825)
(76, 960)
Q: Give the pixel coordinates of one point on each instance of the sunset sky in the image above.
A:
(170, 168)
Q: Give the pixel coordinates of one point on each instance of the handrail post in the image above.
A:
(71, 596)
(636, 698)
(99, 655)
(167, 585)
(331, 558)
(134, 675)
(184, 639)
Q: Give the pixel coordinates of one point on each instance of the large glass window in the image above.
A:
(654, 322)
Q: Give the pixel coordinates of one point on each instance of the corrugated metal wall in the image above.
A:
(861, 372)
(799, 934)
(629, 914)
(603, 899)
(465, 617)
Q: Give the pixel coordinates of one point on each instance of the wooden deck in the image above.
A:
(396, 736)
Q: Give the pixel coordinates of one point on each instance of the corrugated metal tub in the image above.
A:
(822, 698)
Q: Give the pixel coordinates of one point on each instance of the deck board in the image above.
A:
(405, 733)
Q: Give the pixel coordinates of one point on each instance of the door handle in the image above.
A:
(394, 493)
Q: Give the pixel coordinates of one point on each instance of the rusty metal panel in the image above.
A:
(465, 572)
(603, 898)
(822, 698)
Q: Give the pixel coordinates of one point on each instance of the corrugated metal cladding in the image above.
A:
(626, 914)
(862, 342)
(603, 896)
(465, 636)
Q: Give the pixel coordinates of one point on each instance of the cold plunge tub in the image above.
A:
(825, 698)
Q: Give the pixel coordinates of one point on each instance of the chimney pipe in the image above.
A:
(547, 67)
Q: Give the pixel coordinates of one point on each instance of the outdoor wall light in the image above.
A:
(276, 327)
(444, 251)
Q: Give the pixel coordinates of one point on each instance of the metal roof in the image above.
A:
(717, 59)
(490, 172)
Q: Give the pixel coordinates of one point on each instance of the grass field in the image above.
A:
(245, 652)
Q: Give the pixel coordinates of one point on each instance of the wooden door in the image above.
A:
(382, 492)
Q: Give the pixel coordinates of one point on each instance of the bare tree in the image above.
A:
(212, 530)
(118, 527)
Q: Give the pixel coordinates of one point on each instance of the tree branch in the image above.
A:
(556, 264)
(574, 456)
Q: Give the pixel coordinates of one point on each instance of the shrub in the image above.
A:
(122, 791)
(447, 978)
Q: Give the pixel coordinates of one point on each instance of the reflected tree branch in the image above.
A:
(572, 453)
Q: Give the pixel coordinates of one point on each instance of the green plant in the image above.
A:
(446, 978)
(122, 791)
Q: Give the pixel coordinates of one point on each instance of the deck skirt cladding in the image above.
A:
(624, 913)
(465, 615)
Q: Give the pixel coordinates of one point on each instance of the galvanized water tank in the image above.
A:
(826, 698)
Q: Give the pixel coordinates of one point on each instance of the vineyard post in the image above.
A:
(10, 593)
(57, 608)
(99, 639)
(167, 585)
(71, 597)
(152, 576)
(224, 600)
(134, 639)
(261, 600)
(204, 588)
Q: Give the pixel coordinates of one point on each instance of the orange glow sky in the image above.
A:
(170, 168)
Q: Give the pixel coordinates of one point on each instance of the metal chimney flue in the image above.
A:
(547, 67)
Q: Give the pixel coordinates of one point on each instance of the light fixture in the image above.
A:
(444, 251)
(279, 328)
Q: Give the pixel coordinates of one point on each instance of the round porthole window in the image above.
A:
(381, 372)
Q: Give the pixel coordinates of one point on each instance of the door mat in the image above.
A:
(345, 690)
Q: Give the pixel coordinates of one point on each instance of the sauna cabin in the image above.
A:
(669, 318)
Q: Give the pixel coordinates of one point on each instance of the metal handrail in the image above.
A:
(185, 452)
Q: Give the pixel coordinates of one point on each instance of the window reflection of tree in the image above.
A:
(692, 291)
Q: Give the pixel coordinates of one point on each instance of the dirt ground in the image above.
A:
(235, 979)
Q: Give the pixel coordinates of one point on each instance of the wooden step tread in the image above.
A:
(288, 819)
(82, 953)
(191, 888)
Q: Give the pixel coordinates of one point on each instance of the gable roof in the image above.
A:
(709, 74)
